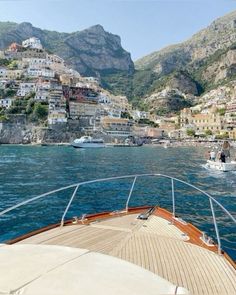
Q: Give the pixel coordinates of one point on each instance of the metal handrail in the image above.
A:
(135, 176)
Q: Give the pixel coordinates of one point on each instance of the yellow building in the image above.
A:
(202, 122)
(232, 134)
(11, 74)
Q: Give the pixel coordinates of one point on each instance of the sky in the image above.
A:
(143, 25)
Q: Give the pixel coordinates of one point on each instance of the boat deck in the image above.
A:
(166, 247)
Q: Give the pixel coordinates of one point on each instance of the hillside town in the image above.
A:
(43, 100)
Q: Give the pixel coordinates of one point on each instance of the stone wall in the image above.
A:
(11, 133)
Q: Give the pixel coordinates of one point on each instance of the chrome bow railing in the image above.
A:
(134, 177)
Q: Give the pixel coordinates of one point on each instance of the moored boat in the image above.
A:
(88, 142)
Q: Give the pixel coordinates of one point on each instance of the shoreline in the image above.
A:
(173, 144)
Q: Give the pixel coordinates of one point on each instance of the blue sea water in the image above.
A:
(27, 171)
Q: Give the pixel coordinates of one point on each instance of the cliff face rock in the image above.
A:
(99, 51)
(194, 67)
(219, 35)
(91, 51)
(223, 68)
(183, 83)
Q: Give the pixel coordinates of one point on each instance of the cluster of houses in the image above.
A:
(32, 72)
(215, 114)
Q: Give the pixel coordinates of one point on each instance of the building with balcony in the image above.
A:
(40, 72)
(82, 108)
(202, 122)
(26, 88)
(117, 127)
(57, 107)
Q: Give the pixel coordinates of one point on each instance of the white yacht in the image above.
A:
(88, 142)
(133, 251)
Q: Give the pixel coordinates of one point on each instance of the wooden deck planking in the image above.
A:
(183, 264)
(203, 269)
(67, 236)
(226, 268)
(127, 222)
(88, 237)
(162, 227)
(154, 244)
(53, 233)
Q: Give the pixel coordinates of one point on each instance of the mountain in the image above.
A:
(219, 35)
(92, 51)
(164, 81)
(196, 66)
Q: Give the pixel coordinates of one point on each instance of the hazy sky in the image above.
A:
(143, 25)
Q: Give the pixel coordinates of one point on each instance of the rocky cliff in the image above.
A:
(221, 34)
(92, 51)
(162, 81)
(204, 62)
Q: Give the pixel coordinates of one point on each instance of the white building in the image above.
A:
(42, 91)
(40, 72)
(6, 103)
(104, 99)
(137, 115)
(42, 94)
(114, 113)
(36, 62)
(53, 58)
(57, 107)
(32, 43)
(47, 73)
(3, 72)
(26, 88)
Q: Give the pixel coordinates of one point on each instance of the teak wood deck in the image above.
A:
(161, 244)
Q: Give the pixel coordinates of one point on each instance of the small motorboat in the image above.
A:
(88, 142)
(221, 166)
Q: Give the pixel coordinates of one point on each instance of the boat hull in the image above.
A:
(231, 166)
(88, 145)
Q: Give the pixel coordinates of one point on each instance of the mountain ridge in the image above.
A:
(179, 73)
(77, 48)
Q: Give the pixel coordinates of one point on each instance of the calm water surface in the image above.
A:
(27, 171)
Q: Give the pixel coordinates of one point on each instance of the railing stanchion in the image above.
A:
(173, 196)
(68, 205)
(134, 177)
(216, 227)
(130, 193)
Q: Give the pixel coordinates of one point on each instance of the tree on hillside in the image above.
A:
(190, 132)
(40, 111)
(13, 65)
(208, 132)
(4, 62)
(221, 111)
(126, 115)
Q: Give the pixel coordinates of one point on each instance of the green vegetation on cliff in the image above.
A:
(36, 112)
